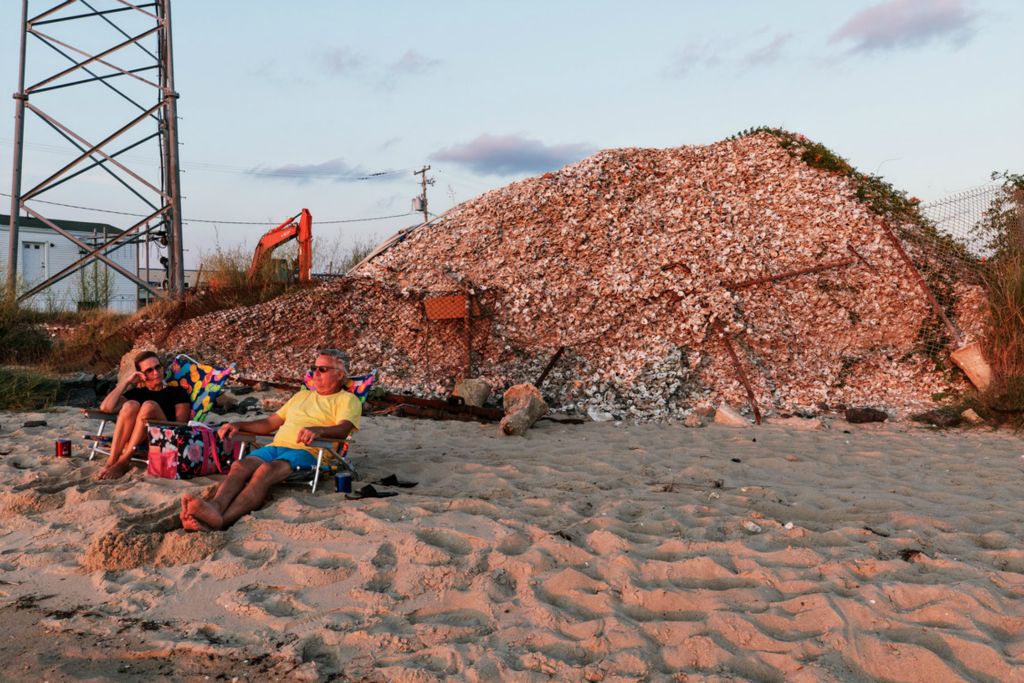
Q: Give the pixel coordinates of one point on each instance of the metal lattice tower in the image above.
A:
(94, 87)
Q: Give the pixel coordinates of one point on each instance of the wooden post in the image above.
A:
(956, 334)
(469, 337)
(739, 370)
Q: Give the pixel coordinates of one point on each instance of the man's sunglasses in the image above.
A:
(321, 368)
(155, 368)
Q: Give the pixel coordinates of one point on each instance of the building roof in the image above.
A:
(85, 227)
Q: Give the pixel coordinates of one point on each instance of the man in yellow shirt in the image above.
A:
(329, 412)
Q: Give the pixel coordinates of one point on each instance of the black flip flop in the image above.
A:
(369, 492)
(392, 480)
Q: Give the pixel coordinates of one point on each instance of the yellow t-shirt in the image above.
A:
(310, 409)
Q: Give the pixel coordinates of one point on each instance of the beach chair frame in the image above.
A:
(331, 455)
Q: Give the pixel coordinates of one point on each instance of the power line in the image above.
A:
(213, 167)
(210, 220)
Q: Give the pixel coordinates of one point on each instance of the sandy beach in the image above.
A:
(601, 551)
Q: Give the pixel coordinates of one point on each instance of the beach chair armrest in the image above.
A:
(252, 439)
(265, 439)
(166, 423)
(97, 414)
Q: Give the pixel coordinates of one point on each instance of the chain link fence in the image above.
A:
(965, 252)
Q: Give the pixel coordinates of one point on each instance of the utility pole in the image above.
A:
(13, 244)
(424, 181)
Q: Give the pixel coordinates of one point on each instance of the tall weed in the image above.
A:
(25, 390)
(1004, 333)
(22, 339)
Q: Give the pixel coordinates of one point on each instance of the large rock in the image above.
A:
(865, 415)
(78, 390)
(726, 415)
(226, 402)
(972, 417)
(473, 391)
(79, 397)
(523, 406)
(127, 365)
(938, 418)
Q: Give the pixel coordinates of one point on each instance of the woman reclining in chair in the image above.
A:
(135, 406)
(329, 412)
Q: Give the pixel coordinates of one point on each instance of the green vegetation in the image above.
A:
(25, 390)
(880, 196)
(360, 249)
(1001, 228)
(903, 215)
(22, 340)
(227, 275)
(1004, 333)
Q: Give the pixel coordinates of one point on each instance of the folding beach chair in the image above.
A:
(203, 382)
(332, 456)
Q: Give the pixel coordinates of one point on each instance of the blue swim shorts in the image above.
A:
(296, 457)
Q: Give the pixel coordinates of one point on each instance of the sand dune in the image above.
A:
(602, 551)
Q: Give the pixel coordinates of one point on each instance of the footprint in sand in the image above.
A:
(451, 542)
(256, 600)
(256, 554)
(314, 649)
(320, 568)
(55, 484)
(452, 626)
(349, 523)
(514, 544)
(384, 562)
(503, 584)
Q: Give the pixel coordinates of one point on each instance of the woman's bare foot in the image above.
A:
(199, 515)
(115, 471)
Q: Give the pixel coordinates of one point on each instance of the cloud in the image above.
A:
(412, 63)
(691, 56)
(335, 170)
(769, 53)
(511, 155)
(343, 61)
(390, 142)
(896, 24)
(390, 201)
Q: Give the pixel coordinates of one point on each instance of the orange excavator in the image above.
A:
(301, 231)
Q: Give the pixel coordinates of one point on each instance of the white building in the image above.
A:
(45, 252)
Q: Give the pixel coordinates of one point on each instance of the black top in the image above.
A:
(166, 398)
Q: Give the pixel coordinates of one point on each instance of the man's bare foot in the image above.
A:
(188, 522)
(115, 471)
(200, 513)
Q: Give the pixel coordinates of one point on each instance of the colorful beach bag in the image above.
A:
(187, 451)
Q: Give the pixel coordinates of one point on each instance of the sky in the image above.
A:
(332, 104)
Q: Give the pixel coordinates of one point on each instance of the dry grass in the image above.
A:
(25, 390)
(1004, 334)
(94, 343)
(22, 340)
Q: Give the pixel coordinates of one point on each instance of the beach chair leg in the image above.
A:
(316, 472)
(349, 466)
(96, 444)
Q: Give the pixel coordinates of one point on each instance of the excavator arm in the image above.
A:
(302, 232)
